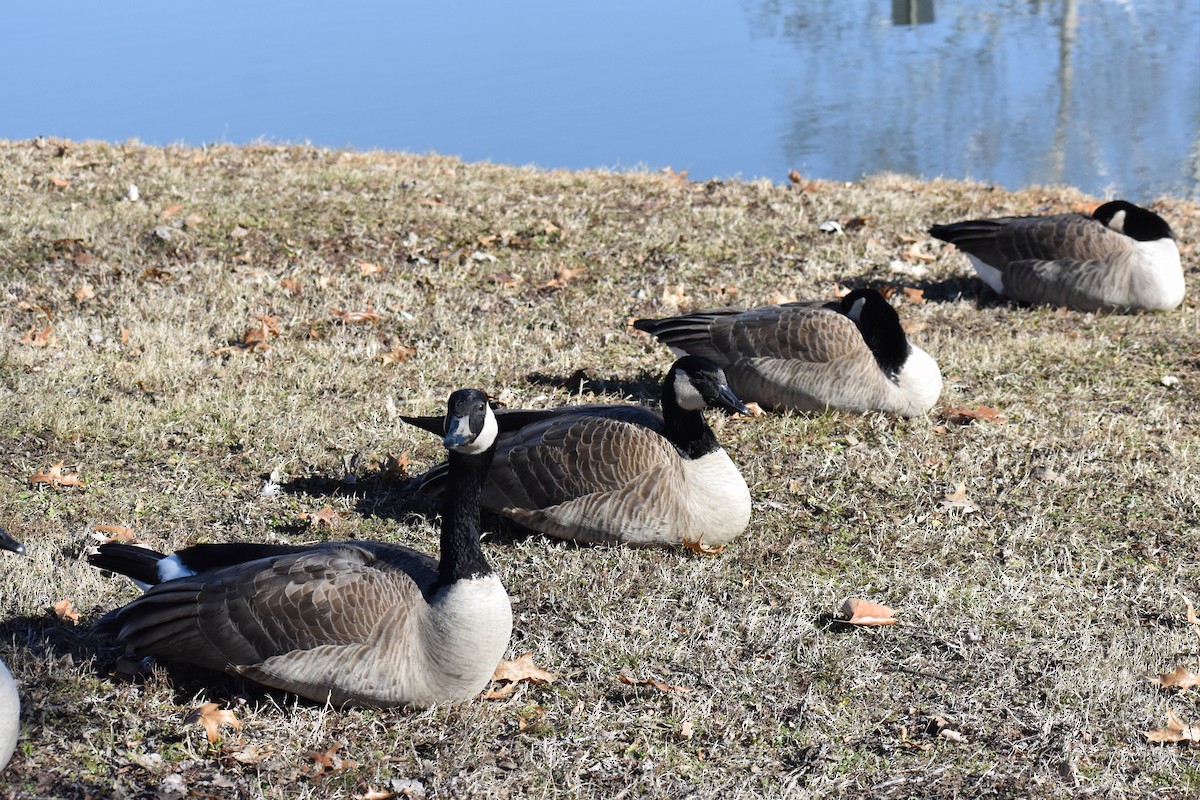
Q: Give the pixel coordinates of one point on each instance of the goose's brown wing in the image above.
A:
(1006, 241)
(566, 458)
(808, 331)
(241, 615)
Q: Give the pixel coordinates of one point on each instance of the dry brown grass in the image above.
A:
(1027, 626)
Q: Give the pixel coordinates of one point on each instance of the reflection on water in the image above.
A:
(1104, 95)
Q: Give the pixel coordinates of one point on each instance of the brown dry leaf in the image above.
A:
(84, 292)
(252, 754)
(755, 411)
(522, 669)
(508, 278)
(257, 336)
(212, 717)
(116, 533)
(857, 611)
(1175, 731)
(394, 466)
(680, 177)
(40, 338)
(915, 253)
(66, 612)
(398, 354)
(701, 548)
(662, 687)
(375, 794)
(355, 317)
(501, 692)
(490, 240)
(366, 268)
(686, 729)
(171, 210)
(958, 499)
(1180, 678)
(912, 295)
(325, 518)
(549, 227)
(291, 284)
(963, 415)
(55, 477)
(61, 183)
(431, 201)
(674, 296)
(328, 762)
(124, 335)
(1192, 617)
(561, 278)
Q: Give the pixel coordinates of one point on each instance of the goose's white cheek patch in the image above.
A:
(687, 395)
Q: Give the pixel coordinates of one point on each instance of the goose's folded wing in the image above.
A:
(331, 595)
(1076, 283)
(569, 457)
(1008, 240)
(803, 332)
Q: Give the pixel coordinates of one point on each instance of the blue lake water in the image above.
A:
(1099, 94)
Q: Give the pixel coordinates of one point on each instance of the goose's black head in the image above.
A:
(7, 542)
(1135, 222)
(880, 327)
(470, 424)
(694, 383)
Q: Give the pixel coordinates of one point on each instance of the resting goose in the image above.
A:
(10, 701)
(1121, 258)
(623, 474)
(850, 355)
(346, 622)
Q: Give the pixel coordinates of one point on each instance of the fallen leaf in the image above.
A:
(1180, 678)
(561, 278)
(1175, 731)
(257, 336)
(699, 547)
(40, 338)
(84, 292)
(171, 210)
(212, 717)
(66, 612)
(325, 518)
(508, 278)
(501, 692)
(55, 477)
(398, 354)
(958, 499)
(673, 296)
(366, 268)
(755, 411)
(61, 183)
(375, 794)
(291, 284)
(327, 762)
(912, 295)
(686, 729)
(662, 687)
(522, 669)
(252, 754)
(116, 533)
(356, 317)
(857, 611)
(1192, 617)
(962, 415)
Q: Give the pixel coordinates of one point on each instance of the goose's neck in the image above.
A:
(687, 429)
(889, 345)
(461, 554)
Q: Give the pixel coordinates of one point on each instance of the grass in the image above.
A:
(1028, 626)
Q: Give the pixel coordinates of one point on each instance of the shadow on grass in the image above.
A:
(645, 387)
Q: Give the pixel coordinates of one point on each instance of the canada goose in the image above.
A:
(850, 355)
(1121, 258)
(345, 622)
(606, 474)
(10, 701)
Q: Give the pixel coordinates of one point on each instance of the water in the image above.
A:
(1102, 94)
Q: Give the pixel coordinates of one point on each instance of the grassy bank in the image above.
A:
(133, 348)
